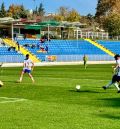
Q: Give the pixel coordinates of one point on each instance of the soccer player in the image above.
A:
(28, 66)
(116, 76)
(85, 59)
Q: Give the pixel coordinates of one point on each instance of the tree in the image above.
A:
(35, 11)
(58, 17)
(112, 24)
(17, 11)
(23, 12)
(90, 17)
(105, 7)
(41, 10)
(2, 10)
(64, 14)
(108, 15)
(73, 16)
(63, 11)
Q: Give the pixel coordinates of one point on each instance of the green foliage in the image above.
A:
(105, 7)
(59, 18)
(2, 11)
(108, 16)
(17, 11)
(64, 14)
(23, 12)
(40, 11)
(112, 24)
(73, 16)
(63, 11)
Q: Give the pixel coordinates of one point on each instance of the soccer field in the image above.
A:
(53, 103)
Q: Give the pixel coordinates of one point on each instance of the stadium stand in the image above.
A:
(10, 56)
(22, 49)
(60, 50)
(66, 50)
(103, 48)
(114, 46)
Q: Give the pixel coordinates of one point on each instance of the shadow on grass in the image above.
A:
(112, 102)
(84, 91)
(109, 116)
(9, 81)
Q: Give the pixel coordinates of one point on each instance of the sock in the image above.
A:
(32, 79)
(109, 84)
(117, 86)
(20, 79)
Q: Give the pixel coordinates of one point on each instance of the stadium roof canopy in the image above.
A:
(34, 27)
(50, 23)
(72, 24)
(8, 20)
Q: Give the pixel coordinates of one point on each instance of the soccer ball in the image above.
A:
(77, 87)
(1, 83)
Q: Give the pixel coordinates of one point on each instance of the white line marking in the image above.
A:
(77, 79)
(11, 100)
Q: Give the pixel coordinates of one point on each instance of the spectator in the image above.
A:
(14, 36)
(24, 36)
(32, 46)
(48, 39)
(42, 40)
(18, 46)
(38, 45)
(46, 49)
(11, 48)
(42, 48)
(26, 45)
(1, 42)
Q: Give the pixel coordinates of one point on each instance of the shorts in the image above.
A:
(26, 71)
(115, 78)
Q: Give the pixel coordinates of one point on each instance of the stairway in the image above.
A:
(23, 50)
(100, 47)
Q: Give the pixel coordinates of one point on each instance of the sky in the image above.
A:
(51, 6)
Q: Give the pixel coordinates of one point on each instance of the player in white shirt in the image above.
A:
(116, 77)
(28, 66)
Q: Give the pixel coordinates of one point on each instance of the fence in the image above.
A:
(93, 35)
(73, 58)
(11, 58)
(59, 58)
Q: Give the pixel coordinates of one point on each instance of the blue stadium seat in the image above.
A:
(63, 47)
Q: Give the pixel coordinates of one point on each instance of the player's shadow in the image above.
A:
(84, 91)
(111, 102)
(8, 81)
(109, 116)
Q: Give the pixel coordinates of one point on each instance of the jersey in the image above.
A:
(118, 69)
(28, 64)
(85, 58)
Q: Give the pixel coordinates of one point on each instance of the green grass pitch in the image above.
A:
(53, 103)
